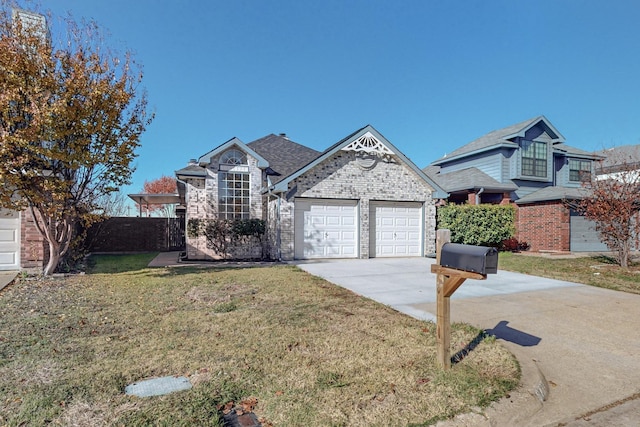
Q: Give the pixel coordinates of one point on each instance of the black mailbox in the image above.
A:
(477, 259)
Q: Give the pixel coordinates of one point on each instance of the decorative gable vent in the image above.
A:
(368, 146)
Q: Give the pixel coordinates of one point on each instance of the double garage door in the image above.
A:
(330, 229)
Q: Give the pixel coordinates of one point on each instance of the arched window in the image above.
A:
(233, 157)
(233, 185)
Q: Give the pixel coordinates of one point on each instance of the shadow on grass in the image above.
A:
(605, 259)
(211, 266)
(501, 331)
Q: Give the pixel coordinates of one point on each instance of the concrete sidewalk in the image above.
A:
(580, 341)
(7, 277)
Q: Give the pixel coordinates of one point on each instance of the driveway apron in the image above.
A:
(585, 340)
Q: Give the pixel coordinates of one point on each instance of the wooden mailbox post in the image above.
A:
(448, 280)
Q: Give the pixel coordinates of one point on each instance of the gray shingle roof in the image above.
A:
(619, 158)
(551, 193)
(491, 139)
(192, 170)
(501, 137)
(467, 179)
(284, 156)
(572, 151)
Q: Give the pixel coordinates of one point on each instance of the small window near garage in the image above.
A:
(579, 170)
(233, 186)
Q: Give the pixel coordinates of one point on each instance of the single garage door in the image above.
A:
(9, 239)
(396, 228)
(326, 228)
(584, 237)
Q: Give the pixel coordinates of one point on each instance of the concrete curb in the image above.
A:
(517, 408)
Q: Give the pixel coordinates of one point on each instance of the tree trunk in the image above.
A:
(57, 233)
(54, 258)
(625, 251)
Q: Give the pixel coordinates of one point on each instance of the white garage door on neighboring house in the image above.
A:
(326, 228)
(396, 229)
(9, 239)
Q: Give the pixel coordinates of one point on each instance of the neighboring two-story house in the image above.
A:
(359, 198)
(529, 164)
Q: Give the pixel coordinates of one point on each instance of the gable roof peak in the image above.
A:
(502, 138)
(206, 158)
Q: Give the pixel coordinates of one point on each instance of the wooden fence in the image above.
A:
(136, 234)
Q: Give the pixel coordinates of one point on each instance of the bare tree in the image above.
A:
(612, 200)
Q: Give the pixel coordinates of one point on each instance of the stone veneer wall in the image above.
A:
(341, 177)
(545, 226)
(202, 203)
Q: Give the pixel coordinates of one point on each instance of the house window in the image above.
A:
(534, 159)
(579, 170)
(233, 186)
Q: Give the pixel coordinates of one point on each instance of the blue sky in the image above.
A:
(429, 75)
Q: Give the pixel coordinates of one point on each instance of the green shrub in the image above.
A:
(486, 225)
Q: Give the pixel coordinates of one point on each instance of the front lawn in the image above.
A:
(598, 271)
(308, 352)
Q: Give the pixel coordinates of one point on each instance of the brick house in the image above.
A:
(359, 198)
(527, 164)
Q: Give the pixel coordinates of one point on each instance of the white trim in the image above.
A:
(369, 144)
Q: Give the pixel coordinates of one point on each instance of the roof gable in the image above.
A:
(368, 141)
(206, 158)
(503, 138)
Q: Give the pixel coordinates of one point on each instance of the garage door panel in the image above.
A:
(397, 229)
(8, 236)
(325, 228)
(584, 237)
(9, 239)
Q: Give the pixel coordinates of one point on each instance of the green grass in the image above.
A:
(311, 353)
(600, 271)
(118, 263)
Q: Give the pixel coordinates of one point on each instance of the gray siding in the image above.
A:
(489, 163)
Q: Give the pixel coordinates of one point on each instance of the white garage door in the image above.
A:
(326, 229)
(9, 239)
(397, 229)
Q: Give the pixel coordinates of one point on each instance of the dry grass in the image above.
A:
(600, 271)
(311, 353)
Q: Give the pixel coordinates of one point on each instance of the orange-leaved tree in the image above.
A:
(71, 116)
(612, 201)
(163, 185)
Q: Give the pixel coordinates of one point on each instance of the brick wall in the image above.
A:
(202, 203)
(342, 177)
(33, 248)
(545, 226)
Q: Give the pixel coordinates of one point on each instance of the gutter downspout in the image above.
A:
(186, 211)
(278, 236)
(478, 195)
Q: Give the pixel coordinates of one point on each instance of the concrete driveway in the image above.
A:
(584, 340)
